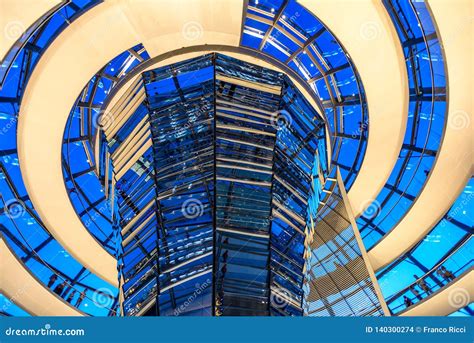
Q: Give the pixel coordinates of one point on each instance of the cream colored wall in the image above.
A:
(171, 24)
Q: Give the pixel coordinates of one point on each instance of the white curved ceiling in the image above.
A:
(67, 65)
(17, 16)
(455, 163)
(365, 29)
(112, 27)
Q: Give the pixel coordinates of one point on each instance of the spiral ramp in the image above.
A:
(412, 158)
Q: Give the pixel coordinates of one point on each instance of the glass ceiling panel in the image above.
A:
(79, 160)
(286, 31)
(8, 308)
(19, 222)
(449, 244)
(426, 119)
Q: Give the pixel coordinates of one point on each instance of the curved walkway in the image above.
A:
(23, 289)
(112, 27)
(364, 28)
(17, 16)
(455, 164)
(447, 300)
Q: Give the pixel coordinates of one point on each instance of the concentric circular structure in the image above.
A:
(261, 157)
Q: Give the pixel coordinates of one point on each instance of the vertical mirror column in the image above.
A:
(247, 99)
(214, 160)
(181, 105)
